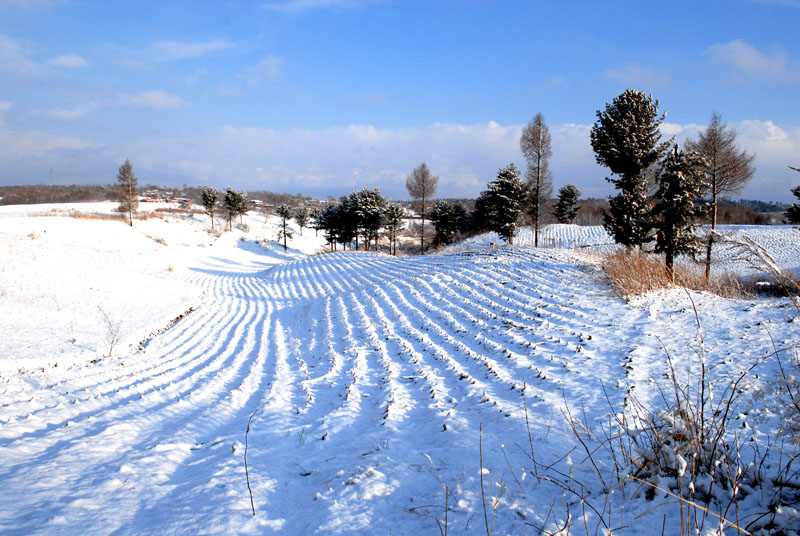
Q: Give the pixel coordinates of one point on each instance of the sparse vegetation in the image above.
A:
(128, 195)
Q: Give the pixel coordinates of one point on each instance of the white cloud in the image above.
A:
(157, 98)
(639, 76)
(268, 68)
(71, 61)
(69, 114)
(751, 61)
(14, 59)
(177, 50)
(336, 160)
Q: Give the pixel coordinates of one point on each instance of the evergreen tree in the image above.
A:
(448, 220)
(316, 214)
(327, 222)
(625, 139)
(368, 206)
(301, 217)
(209, 198)
(393, 221)
(499, 207)
(235, 205)
(566, 206)
(680, 185)
(535, 145)
(285, 214)
(793, 213)
(128, 196)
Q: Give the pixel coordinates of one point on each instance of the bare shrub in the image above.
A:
(157, 240)
(639, 272)
(95, 216)
(112, 329)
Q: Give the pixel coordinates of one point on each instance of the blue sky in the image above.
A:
(324, 96)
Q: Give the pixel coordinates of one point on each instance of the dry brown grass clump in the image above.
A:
(638, 272)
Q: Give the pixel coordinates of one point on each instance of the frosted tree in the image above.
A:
(368, 206)
(535, 146)
(127, 194)
(566, 206)
(727, 169)
(393, 221)
(235, 205)
(209, 199)
(301, 217)
(448, 220)
(316, 214)
(285, 214)
(421, 186)
(793, 213)
(499, 207)
(680, 185)
(626, 140)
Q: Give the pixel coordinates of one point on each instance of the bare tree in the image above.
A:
(128, 196)
(421, 186)
(726, 169)
(535, 145)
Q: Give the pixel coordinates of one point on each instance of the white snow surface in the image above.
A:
(369, 384)
(782, 242)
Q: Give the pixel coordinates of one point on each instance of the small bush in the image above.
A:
(638, 272)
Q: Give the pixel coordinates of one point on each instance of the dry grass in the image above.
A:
(638, 272)
(95, 216)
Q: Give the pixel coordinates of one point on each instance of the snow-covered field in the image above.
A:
(381, 394)
(782, 242)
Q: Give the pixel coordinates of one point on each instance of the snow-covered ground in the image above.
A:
(376, 390)
(782, 242)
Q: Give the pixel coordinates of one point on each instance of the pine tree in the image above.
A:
(235, 205)
(448, 220)
(393, 220)
(566, 207)
(680, 181)
(316, 215)
(625, 139)
(535, 146)
(793, 213)
(209, 198)
(301, 217)
(368, 206)
(128, 196)
(285, 214)
(499, 207)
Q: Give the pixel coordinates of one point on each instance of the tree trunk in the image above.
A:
(536, 201)
(713, 228)
(422, 230)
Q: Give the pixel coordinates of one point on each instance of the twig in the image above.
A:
(246, 472)
(483, 494)
(692, 503)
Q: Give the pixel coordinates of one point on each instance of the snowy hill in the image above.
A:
(345, 393)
